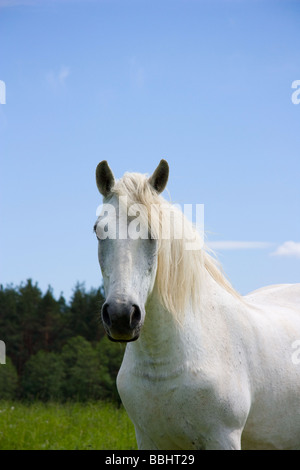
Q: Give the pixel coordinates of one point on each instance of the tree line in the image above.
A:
(56, 350)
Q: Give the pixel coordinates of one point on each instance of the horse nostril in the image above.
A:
(135, 316)
(105, 315)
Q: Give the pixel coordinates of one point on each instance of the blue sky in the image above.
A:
(205, 84)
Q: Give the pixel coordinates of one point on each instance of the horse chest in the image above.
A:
(166, 408)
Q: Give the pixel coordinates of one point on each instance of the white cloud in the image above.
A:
(57, 79)
(137, 73)
(63, 74)
(13, 3)
(238, 245)
(289, 248)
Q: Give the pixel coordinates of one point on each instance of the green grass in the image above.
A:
(69, 426)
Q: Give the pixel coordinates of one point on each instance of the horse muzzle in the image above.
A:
(122, 320)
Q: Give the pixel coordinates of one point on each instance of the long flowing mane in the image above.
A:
(180, 272)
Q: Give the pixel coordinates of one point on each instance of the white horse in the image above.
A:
(204, 368)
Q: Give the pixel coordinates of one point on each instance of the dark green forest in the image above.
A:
(56, 350)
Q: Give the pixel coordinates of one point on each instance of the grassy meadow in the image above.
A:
(69, 426)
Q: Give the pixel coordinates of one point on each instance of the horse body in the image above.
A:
(274, 418)
(216, 375)
(177, 389)
(228, 379)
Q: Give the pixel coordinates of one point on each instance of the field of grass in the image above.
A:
(69, 426)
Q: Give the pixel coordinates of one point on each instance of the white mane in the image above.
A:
(180, 271)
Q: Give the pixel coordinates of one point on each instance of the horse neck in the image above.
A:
(161, 332)
(165, 339)
(159, 351)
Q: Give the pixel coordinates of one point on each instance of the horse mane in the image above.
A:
(180, 272)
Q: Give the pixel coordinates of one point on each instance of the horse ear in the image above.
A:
(104, 178)
(160, 177)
